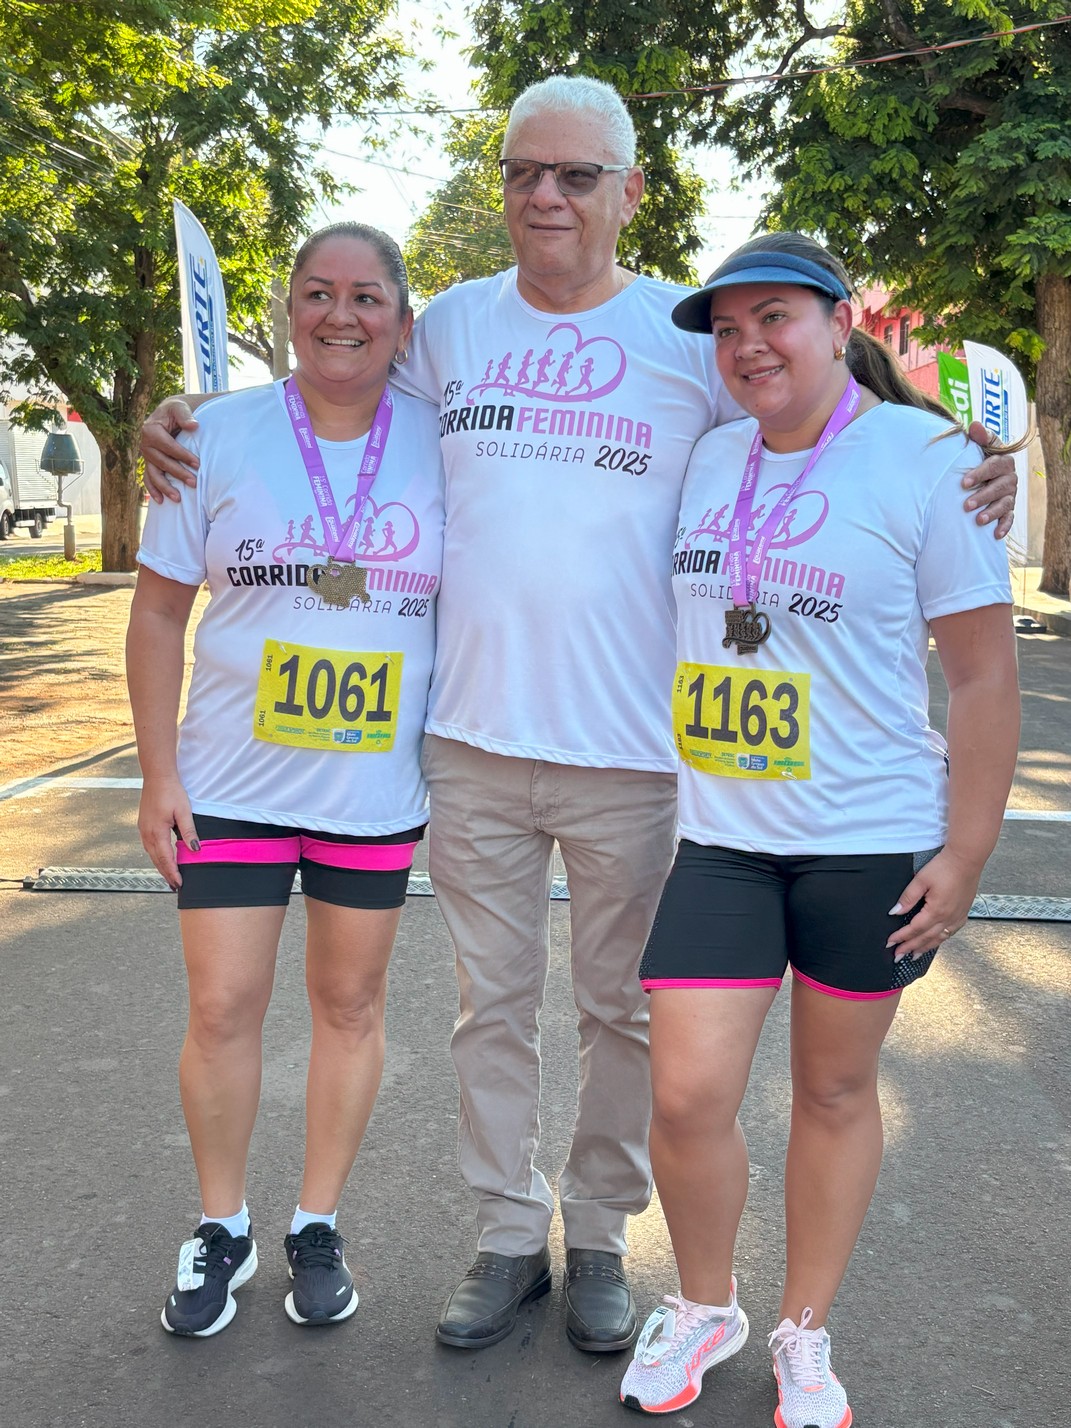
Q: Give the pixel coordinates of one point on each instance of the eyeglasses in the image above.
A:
(572, 178)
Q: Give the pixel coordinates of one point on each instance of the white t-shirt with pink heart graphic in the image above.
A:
(565, 441)
(251, 529)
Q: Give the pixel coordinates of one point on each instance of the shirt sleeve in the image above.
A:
(173, 542)
(418, 377)
(960, 566)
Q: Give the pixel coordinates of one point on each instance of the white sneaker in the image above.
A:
(677, 1345)
(809, 1394)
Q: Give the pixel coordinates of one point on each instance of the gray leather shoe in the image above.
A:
(483, 1308)
(600, 1316)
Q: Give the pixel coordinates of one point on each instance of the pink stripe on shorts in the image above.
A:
(242, 850)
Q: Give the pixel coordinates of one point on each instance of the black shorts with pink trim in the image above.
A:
(243, 864)
(730, 918)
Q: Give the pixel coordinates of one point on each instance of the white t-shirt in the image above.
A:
(874, 546)
(252, 530)
(565, 441)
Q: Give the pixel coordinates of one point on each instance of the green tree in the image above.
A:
(107, 116)
(462, 234)
(946, 176)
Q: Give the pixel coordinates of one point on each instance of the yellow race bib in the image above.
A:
(328, 699)
(743, 723)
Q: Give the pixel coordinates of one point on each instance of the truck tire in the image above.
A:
(5, 525)
(37, 529)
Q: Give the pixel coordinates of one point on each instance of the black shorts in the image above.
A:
(730, 918)
(242, 864)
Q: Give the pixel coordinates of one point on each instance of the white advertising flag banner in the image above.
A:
(204, 306)
(998, 401)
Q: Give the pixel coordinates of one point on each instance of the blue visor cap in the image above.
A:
(693, 314)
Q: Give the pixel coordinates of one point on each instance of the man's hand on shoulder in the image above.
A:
(993, 485)
(165, 460)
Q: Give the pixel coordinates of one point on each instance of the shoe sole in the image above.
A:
(242, 1275)
(676, 1404)
(317, 1319)
(617, 1346)
(845, 1422)
(455, 1341)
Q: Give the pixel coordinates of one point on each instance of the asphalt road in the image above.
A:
(955, 1308)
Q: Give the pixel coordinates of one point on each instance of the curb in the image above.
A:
(1056, 622)
(107, 577)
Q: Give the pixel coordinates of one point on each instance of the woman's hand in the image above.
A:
(993, 485)
(946, 887)
(164, 806)
(165, 460)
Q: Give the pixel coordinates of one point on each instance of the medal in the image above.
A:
(339, 581)
(746, 628)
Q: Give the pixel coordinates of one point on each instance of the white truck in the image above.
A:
(28, 495)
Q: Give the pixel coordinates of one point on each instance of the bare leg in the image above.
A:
(230, 963)
(346, 956)
(835, 1145)
(702, 1045)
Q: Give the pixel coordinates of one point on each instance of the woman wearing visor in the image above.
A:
(824, 824)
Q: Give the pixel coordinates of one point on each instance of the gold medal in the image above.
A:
(339, 581)
(746, 628)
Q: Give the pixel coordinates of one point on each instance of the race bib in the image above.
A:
(742, 723)
(328, 699)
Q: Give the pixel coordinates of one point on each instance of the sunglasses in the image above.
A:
(572, 178)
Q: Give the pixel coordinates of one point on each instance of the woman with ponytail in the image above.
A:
(824, 824)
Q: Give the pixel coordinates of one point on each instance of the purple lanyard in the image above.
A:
(341, 542)
(744, 573)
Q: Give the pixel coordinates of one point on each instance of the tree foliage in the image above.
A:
(946, 176)
(462, 233)
(107, 117)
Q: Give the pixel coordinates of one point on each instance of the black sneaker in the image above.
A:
(323, 1291)
(211, 1266)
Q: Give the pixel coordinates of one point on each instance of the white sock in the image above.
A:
(707, 1310)
(235, 1225)
(305, 1217)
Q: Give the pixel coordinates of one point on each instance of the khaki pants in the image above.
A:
(494, 821)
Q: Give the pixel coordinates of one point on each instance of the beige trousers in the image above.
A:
(494, 822)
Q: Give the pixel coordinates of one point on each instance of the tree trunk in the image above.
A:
(280, 330)
(1053, 299)
(120, 501)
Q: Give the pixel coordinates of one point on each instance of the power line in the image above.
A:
(774, 76)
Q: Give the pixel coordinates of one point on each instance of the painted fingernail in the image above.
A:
(895, 910)
(899, 956)
(194, 846)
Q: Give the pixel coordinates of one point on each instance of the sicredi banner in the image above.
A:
(954, 386)
(998, 401)
(204, 306)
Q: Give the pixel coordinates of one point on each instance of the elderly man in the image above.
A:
(568, 407)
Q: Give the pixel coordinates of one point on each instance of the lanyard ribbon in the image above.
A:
(341, 540)
(743, 573)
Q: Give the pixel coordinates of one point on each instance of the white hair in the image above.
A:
(576, 94)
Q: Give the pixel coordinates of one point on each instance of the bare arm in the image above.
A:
(993, 486)
(977, 653)
(155, 656)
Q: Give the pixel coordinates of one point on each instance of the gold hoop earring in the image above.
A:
(838, 355)
(401, 357)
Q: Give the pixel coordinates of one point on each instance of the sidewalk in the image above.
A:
(1054, 613)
